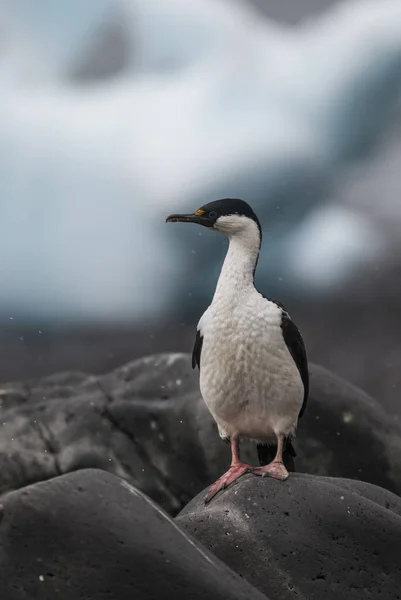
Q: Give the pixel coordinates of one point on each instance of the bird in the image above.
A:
(253, 366)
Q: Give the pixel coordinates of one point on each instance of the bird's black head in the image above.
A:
(228, 216)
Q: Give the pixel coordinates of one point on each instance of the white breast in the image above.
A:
(248, 378)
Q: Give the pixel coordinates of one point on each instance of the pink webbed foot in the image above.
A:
(275, 469)
(233, 473)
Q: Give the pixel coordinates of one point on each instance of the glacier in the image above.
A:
(212, 101)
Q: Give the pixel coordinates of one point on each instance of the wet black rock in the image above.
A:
(308, 537)
(144, 422)
(90, 535)
(147, 423)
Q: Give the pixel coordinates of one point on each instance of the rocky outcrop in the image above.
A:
(308, 537)
(85, 533)
(147, 423)
(144, 422)
(346, 433)
(90, 535)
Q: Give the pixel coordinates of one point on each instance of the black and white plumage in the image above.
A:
(252, 359)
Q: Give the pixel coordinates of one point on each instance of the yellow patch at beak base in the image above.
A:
(199, 212)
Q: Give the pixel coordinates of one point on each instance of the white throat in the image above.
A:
(239, 265)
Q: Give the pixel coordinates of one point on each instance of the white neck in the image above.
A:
(239, 265)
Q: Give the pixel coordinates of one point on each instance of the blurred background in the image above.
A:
(115, 113)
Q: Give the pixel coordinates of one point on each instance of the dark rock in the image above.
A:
(147, 423)
(345, 433)
(308, 537)
(91, 535)
(144, 422)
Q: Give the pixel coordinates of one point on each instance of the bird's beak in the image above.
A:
(198, 217)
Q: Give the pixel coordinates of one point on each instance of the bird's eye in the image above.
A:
(212, 214)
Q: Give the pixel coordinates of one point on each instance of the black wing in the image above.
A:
(296, 347)
(196, 353)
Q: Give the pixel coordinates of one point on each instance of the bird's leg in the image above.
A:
(237, 468)
(276, 468)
